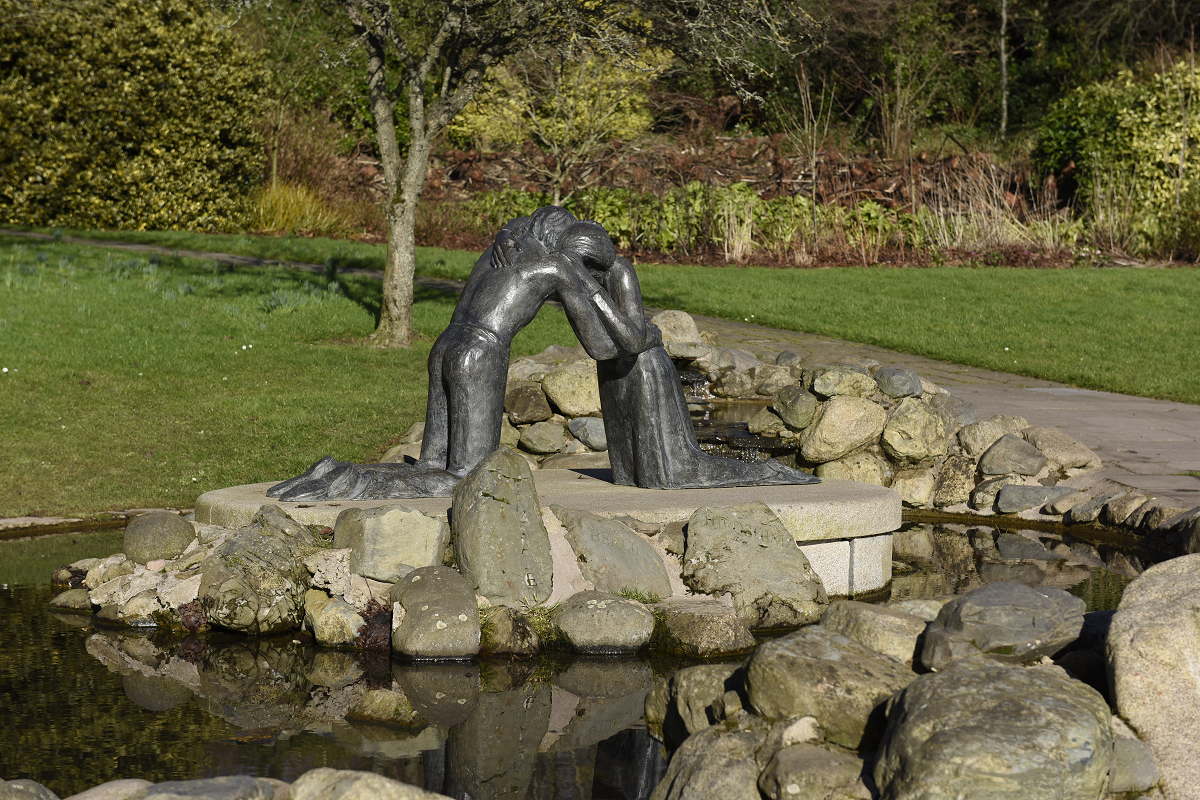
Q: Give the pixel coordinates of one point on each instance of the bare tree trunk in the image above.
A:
(1003, 68)
(395, 313)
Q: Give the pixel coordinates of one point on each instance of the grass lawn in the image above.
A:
(144, 382)
(1132, 331)
(135, 381)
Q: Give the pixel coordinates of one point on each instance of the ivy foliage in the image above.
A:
(1126, 139)
(128, 115)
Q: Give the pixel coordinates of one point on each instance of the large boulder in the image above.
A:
(977, 437)
(770, 379)
(677, 326)
(818, 673)
(387, 543)
(811, 772)
(1016, 497)
(1010, 454)
(602, 623)
(574, 389)
(613, 557)
(914, 433)
(734, 385)
(840, 381)
(718, 762)
(1062, 451)
(324, 783)
(157, 535)
(897, 381)
(701, 627)
(227, 787)
(956, 411)
(954, 483)
(746, 551)
(841, 426)
(795, 406)
(914, 485)
(543, 438)
(1153, 649)
(525, 402)
(885, 630)
(500, 543)
(992, 732)
(255, 582)
(333, 621)
(1005, 621)
(590, 431)
(863, 466)
(434, 615)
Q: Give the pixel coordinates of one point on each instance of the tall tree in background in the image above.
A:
(435, 54)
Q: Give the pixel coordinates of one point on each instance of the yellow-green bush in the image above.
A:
(126, 114)
(1129, 133)
(563, 100)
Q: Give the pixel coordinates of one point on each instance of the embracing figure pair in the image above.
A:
(547, 256)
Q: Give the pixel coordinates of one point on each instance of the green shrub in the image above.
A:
(1125, 138)
(120, 114)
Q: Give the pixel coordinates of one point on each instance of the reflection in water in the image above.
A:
(954, 559)
(278, 708)
(87, 706)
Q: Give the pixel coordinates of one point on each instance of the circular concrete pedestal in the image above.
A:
(843, 527)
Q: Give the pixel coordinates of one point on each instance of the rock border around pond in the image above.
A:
(597, 585)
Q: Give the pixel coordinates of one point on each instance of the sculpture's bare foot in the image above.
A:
(330, 479)
(791, 476)
(317, 471)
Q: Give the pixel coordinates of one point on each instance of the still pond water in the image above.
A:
(84, 705)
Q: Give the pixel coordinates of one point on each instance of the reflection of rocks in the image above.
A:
(582, 717)
(491, 754)
(444, 694)
(155, 692)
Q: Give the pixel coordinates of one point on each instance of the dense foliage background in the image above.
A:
(190, 114)
(126, 114)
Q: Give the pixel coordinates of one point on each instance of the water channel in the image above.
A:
(86, 704)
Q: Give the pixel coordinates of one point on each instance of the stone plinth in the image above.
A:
(844, 527)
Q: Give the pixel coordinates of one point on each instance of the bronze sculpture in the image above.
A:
(549, 255)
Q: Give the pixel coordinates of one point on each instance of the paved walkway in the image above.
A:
(1143, 443)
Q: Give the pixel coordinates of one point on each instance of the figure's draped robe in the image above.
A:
(651, 442)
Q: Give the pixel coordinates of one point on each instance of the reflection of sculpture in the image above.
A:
(548, 255)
